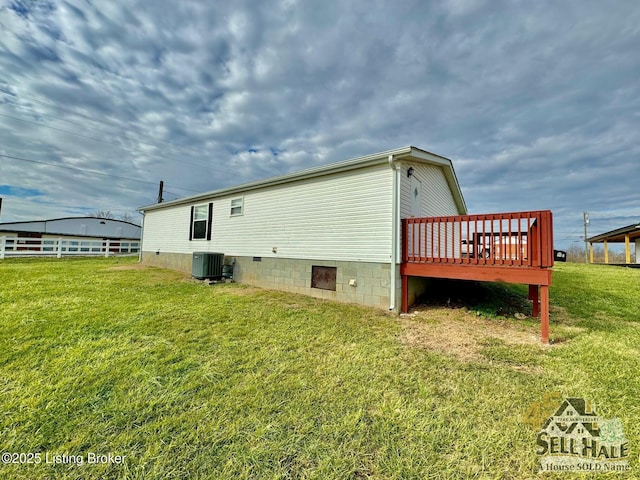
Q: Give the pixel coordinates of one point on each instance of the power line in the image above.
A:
(80, 114)
(84, 125)
(174, 194)
(606, 214)
(61, 107)
(98, 139)
(11, 201)
(36, 112)
(56, 128)
(115, 123)
(94, 172)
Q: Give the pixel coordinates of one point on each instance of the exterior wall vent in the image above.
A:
(207, 265)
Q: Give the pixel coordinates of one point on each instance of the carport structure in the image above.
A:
(626, 235)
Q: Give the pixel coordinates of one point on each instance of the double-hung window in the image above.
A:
(201, 218)
(236, 206)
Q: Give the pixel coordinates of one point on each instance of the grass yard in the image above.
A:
(194, 381)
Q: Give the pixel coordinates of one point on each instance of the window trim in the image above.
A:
(241, 207)
(208, 221)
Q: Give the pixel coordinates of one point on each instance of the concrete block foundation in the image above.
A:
(372, 280)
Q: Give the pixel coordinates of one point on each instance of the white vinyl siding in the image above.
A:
(343, 216)
(437, 199)
(167, 230)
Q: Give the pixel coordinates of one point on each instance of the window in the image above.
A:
(200, 215)
(201, 219)
(323, 277)
(236, 206)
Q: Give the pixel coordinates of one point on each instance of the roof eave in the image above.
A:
(408, 152)
(322, 170)
(631, 230)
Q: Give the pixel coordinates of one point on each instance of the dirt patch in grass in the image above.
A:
(131, 266)
(463, 334)
(153, 273)
(240, 290)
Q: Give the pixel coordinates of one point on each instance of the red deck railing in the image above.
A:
(506, 247)
(519, 239)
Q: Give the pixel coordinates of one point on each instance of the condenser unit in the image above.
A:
(207, 265)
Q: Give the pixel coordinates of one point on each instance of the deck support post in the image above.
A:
(534, 297)
(627, 250)
(405, 294)
(544, 313)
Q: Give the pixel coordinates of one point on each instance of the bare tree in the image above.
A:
(125, 217)
(575, 253)
(103, 214)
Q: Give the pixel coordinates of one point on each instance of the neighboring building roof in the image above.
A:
(77, 227)
(405, 153)
(618, 235)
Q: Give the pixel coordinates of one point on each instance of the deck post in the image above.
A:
(544, 314)
(534, 297)
(405, 294)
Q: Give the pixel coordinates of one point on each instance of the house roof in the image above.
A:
(405, 153)
(618, 235)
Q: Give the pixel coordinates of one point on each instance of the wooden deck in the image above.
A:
(502, 247)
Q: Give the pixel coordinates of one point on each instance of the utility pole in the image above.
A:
(160, 199)
(585, 221)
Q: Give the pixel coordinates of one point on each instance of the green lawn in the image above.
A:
(194, 381)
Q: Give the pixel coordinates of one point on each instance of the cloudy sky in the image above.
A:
(537, 103)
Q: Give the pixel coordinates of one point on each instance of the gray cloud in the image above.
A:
(536, 103)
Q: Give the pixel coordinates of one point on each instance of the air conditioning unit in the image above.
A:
(207, 265)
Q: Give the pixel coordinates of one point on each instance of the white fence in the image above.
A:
(62, 247)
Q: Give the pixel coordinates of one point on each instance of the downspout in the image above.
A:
(395, 230)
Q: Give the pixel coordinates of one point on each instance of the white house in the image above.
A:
(331, 232)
